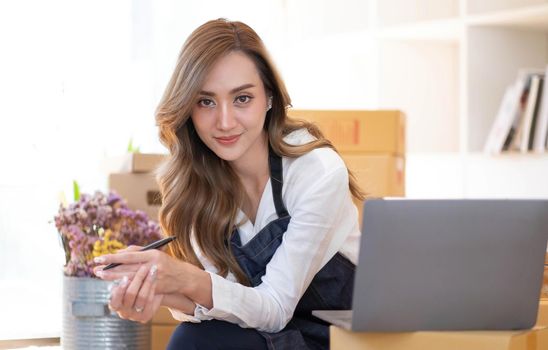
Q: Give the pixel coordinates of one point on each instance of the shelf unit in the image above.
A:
(446, 63)
(530, 18)
(491, 40)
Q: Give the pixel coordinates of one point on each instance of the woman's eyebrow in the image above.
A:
(233, 91)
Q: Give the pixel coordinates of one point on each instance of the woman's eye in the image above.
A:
(205, 102)
(243, 99)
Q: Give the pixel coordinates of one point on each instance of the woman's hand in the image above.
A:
(169, 273)
(172, 276)
(135, 299)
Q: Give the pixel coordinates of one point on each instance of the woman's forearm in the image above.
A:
(190, 285)
(197, 286)
(179, 302)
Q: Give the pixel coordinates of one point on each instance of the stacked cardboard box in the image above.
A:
(544, 292)
(132, 177)
(534, 339)
(542, 317)
(163, 326)
(136, 163)
(372, 144)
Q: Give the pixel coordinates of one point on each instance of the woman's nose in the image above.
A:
(226, 119)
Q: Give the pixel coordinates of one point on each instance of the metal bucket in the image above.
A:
(89, 324)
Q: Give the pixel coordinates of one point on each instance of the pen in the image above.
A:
(153, 245)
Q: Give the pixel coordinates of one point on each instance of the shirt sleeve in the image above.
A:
(303, 252)
(181, 316)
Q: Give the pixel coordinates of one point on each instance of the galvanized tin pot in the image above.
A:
(89, 324)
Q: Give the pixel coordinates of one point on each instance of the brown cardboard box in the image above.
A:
(542, 318)
(141, 191)
(163, 325)
(133, 163)
(163, 317)
(535, 339)
(380, 131)
(379, 175)
(160, 336)
(544, 291)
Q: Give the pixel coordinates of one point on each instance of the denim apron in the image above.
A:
(331, 288)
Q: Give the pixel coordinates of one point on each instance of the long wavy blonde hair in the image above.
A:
(200, 192)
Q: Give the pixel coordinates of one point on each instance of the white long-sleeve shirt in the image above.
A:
(324, 221)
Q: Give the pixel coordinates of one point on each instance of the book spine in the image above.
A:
(541, 129)
(534, 121)
(528, 113)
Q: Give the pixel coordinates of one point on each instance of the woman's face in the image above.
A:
(231, 108)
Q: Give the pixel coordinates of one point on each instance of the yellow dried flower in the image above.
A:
(106, 245)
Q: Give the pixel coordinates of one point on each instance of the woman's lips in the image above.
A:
(227, 140)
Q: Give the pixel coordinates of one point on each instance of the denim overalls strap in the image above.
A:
(330, 289)
(277, 181)
(255, 255)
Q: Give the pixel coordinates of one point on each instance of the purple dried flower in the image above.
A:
(78, 224)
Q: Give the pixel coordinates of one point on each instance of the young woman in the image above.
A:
(261, 206)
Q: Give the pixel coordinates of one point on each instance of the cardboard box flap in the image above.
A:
(374, 131)
(534, 339)
(133, 163)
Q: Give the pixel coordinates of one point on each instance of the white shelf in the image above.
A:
(448, 72)
(444, 29)
(530, 17)
(511, 175)
(434, 175)
(398, 12)
(530, 157)
(476, 175)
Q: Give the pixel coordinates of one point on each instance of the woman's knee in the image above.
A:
(214, 334)
(188, 336)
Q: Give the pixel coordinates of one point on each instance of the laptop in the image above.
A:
(447, 265)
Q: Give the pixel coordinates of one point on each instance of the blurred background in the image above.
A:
(79, 79)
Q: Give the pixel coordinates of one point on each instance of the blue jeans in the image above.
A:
(215, 335)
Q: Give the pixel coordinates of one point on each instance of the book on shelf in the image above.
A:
(518, 131)
(503, 121)
(530, 114)
(520, 115)
(540, 140)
